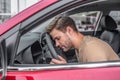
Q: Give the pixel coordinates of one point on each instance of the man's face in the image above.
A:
(61, 39)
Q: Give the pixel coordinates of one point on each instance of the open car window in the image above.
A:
(30, 50)
(87, 22)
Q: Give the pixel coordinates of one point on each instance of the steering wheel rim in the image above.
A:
(46, 41)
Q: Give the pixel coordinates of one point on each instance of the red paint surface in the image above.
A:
(112, 73)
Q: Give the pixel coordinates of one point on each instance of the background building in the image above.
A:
(9, 8)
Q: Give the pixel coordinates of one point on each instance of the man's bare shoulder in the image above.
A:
(89, 40)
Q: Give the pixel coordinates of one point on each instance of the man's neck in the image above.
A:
(79, 39)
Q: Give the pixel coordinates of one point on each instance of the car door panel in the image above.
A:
(67, 74)
(77, 71)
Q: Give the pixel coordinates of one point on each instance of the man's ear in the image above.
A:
(69, 29)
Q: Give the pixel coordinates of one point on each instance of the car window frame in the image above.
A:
(23, 28)
(3, 54)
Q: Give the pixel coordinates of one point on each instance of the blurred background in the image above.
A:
(9, 8)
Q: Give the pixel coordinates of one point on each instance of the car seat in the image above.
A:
(110, 33)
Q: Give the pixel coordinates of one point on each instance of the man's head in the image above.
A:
(62, 29)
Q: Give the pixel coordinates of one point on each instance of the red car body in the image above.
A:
(111, 73)
(87, 71)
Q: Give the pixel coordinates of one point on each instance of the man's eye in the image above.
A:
(57, 38)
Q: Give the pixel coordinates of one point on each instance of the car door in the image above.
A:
(26, 34)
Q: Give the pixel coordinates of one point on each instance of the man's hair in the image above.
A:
(60, 23)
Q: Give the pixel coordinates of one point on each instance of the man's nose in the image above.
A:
(57, 43)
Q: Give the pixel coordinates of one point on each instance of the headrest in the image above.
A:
(108, 23)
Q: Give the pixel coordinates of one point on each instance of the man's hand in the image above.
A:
(60, 61)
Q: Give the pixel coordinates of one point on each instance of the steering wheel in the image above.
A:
(48, 49)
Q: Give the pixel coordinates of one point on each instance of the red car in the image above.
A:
(25, 48)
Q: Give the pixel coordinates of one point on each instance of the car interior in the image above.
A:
(38, 48)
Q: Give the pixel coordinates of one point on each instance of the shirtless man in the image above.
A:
(88, 49)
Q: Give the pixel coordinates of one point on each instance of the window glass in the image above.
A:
(85, 21)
